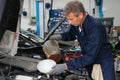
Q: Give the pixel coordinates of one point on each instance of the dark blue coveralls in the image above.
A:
(95, 47)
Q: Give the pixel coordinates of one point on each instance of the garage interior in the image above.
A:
(23, 47)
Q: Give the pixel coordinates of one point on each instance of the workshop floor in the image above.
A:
(118, 76)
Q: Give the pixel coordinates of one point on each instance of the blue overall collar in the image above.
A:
(84, 25)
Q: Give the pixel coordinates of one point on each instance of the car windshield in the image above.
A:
(31, 36)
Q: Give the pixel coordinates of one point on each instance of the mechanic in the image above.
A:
(93, 40)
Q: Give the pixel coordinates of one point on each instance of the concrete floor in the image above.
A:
(117, 75)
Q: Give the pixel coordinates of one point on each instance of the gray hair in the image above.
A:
(75, 7)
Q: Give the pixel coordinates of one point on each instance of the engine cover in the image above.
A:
(28, 64)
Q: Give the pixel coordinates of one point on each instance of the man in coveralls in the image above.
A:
(93, 40)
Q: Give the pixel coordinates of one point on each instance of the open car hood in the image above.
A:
(9, 26)
(10, 20)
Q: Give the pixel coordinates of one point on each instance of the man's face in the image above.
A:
(74, 20)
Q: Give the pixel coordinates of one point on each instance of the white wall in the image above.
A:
(111, 8)
(29, 7)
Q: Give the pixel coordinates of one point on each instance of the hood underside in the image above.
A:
(9, 16)
(9, 11)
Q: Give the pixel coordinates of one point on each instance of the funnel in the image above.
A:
(45, 66)
(52, 50)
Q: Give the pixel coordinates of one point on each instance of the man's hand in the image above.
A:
(59, 68)
(55, 37)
